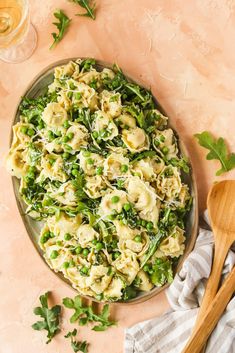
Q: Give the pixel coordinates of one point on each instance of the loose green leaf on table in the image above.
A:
(78, 346)
(62, 25)
(88, 5)
(51, 317)
(217, 150)
(85, 314)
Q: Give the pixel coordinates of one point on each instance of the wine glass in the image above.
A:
(18, 37)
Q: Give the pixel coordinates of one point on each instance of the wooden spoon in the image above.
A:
(221, 207)
(212, 315)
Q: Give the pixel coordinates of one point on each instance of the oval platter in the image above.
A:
(37, 87)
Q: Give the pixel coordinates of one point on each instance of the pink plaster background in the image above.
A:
(184, 50)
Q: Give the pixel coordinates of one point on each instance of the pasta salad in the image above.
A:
(99, 165)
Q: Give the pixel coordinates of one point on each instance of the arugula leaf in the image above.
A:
(154, 243)
(181, 163)
(62, 25)
(162, 272)
(88, 5)
(78, 346)
(84, 314)
(51, 317)
(218, 150)
(129, 293)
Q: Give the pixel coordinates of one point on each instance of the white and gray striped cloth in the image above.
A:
(170, 332)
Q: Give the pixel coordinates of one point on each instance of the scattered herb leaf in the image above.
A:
(88, 5)
(218, 150)
(51, 317)
(78, 346)
(84, 314)
(62, 25)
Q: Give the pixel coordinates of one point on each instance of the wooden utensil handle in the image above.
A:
(212, 315)
(213, 281)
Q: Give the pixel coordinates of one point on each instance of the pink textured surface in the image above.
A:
(184, 51)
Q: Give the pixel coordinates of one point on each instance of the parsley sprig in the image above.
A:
(51, 317)
(62, 25)
(85, 314)
(88, 5)
(78, 346)
(217, 150)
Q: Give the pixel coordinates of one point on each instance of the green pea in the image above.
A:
(72, 85)
(116, 255)
(84, 270)
(158, 261)
(90, 161)
(66, 264)
(70, 135)
(66, 124)
(150, 271)
(78, 95)
(59, 243)
(85, 252)
(156, 142)
(86, 153)
(95, 134)
(54, 254)
(124, 168)
(165, 150)
(65, 139)
(127, 207)
(99, 170)
(45, 237)
(75, 172)
(70, 94)
(138, 238)
(66, 155)
(138, 222)
(115, 199)
(50, 135)
(143, 223)
(149, 226)
(162, 138)
(67, 148)
(99, 246)
(78, 250)
(24, 130)
(112, 216)
(30, 132)
(67, 236)
(146, 268)
(94, 241)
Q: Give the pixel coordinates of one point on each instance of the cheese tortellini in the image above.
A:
(100, 168)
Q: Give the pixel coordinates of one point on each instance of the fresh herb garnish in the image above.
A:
(62, 25)
(78, 346)
(161, 272)
(84, 314)
(51, 317)
(218, 150)
(88, 5)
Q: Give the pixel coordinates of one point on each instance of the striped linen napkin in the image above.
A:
(170, 332)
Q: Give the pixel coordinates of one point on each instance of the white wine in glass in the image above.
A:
(18, 38)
